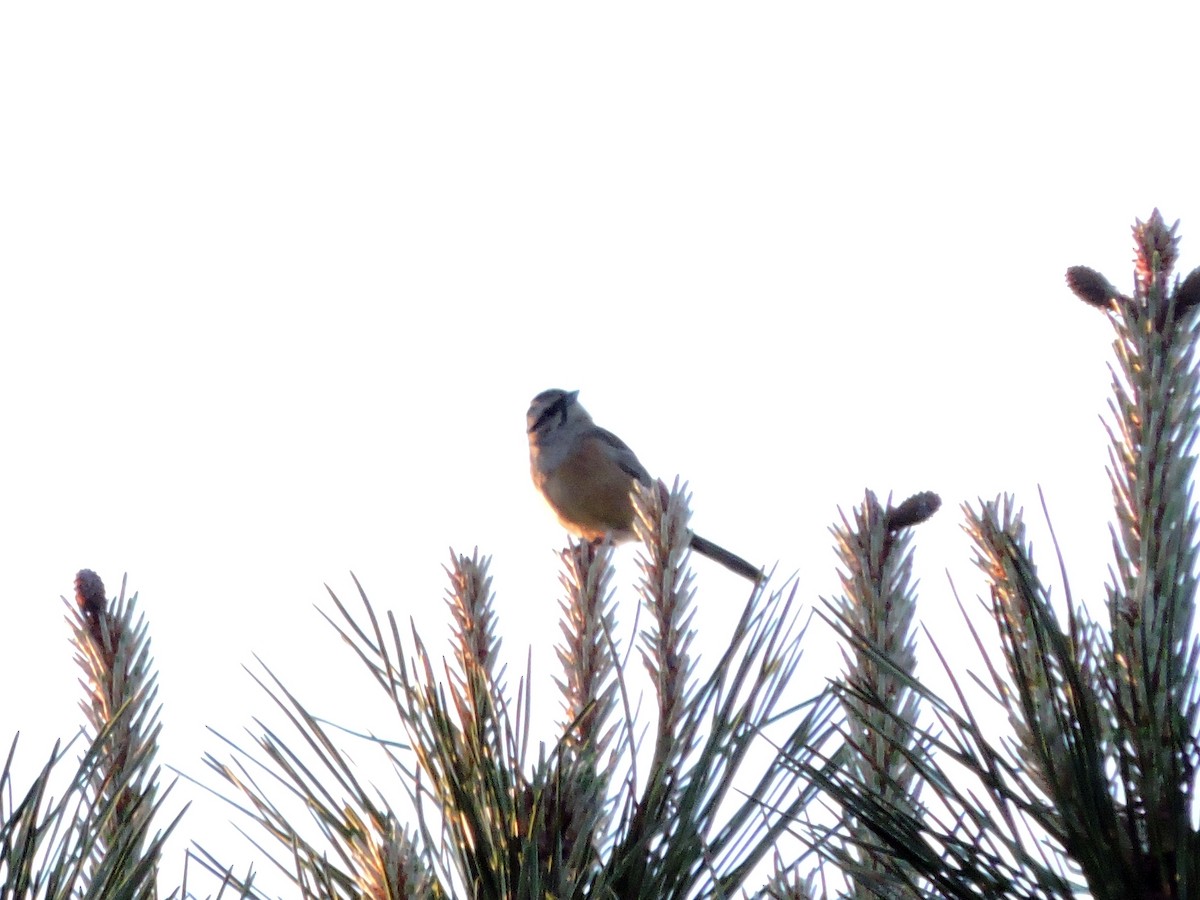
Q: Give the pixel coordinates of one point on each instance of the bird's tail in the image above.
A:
(731, 561)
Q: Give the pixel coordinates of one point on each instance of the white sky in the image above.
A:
(279, 281)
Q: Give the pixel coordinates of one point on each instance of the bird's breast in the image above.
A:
(589, 493)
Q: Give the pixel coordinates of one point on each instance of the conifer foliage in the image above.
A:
(671, 775)
(1092, 792)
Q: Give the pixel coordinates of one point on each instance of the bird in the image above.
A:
(586, 473)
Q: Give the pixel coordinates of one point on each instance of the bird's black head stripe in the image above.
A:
(559, 406)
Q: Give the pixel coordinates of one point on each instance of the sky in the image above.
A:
(280, 280)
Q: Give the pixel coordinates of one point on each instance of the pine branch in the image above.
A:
(879, 605)
(912, 824)
(96, 840)
(1056, 699)
(580, 820)
(1153, 664)
(687, 835)
(1099, 773)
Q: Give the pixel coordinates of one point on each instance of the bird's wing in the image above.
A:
(622, 455)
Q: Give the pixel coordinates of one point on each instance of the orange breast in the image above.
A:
(590, 494)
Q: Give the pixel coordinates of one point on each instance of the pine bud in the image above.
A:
(1091, 287)
(913, 511)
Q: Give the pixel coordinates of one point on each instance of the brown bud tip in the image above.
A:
(1156, 247)
(1091, 287)
(89, 592)
(1187, 294)
(913, 511)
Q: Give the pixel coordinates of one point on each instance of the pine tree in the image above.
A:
(1090, 793)
(1093, 790)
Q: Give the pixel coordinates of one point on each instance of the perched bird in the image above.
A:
(586, 473)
